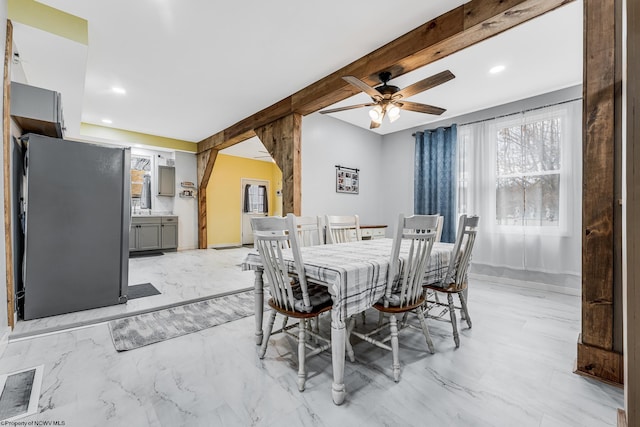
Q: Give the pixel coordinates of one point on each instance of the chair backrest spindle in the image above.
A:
(405, 278)
(273, 235)
(461, 253)
(343, 229)
(310, 231)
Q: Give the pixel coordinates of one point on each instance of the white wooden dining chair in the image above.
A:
(439, 228)
(343, 228)
(455, 280)
(404, 291)
(291, 295)
(310, 230)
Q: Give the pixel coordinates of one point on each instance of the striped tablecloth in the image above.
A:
(356, 272)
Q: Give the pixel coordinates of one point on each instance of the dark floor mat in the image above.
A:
(142, 290)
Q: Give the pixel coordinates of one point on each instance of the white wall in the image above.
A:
(186, 208)
(327, 142)
(398, 152)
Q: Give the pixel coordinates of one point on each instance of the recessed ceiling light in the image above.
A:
(107, 121)
(118, 90)
(497, 69)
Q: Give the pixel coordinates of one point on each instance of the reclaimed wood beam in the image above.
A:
(632, 205)
(205, 162)
(282, 139)
(6, 152)
(451, 32)
(596, 355)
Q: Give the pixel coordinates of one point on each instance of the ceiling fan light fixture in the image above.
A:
(376, 114)
(394, 113)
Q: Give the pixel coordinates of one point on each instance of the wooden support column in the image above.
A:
(205, 162)
(282, 138)
(596, 355)
(631, 415)
(6, 152)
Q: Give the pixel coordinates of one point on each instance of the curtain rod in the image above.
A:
(518, 112)
(347, 168)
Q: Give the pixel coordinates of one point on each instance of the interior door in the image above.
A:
(255, 203)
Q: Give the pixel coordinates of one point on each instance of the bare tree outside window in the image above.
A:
(528, 166)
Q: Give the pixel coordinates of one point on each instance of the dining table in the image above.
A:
(355, 274)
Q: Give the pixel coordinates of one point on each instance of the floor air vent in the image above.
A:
(20, 393)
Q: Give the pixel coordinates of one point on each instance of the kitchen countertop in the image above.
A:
(147, 215)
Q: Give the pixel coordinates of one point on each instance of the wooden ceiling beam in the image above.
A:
(451, 32)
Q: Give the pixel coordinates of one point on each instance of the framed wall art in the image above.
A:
(347, 180)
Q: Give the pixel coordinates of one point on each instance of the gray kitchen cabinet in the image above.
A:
(37, 110)
(145, 234)
(166, 181)
(169, 232)
(153, 233)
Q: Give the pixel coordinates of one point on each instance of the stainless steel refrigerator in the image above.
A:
(75, 202)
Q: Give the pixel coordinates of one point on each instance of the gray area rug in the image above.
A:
(149, 328)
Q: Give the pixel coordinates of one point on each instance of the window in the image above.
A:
(522, 174)
(256, 199)
(528, 173)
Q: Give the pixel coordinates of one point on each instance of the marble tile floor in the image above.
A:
(181, 277)
(514, 368)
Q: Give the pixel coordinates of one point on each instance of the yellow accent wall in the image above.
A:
(224, 195)
(46, 18)
(121, 135)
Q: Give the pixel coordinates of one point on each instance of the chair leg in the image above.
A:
(452, 313)
(425, 330)
(350, 325)
(265, 339)
(380, 318)
(302, 374)
(403, 322)
(394, 347)
(463, 304)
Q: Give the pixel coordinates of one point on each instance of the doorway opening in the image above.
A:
(255, 203)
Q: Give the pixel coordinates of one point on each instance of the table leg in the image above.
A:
(338, 336)
(258, 293)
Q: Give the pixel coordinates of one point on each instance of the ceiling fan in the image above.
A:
(389, 100)
(264, 156)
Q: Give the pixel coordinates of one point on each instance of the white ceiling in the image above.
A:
(192, 69)
(539, 56)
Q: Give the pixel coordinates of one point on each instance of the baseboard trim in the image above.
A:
(600, 364)
(526, 284)
(622, 418)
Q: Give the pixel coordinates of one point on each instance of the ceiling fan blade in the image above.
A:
(422, 85)
(421, 108)
(351, 107)
(363, 87)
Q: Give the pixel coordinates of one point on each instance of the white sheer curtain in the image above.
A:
(522, 174)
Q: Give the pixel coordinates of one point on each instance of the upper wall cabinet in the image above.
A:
(37, 110)
(166, 181)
